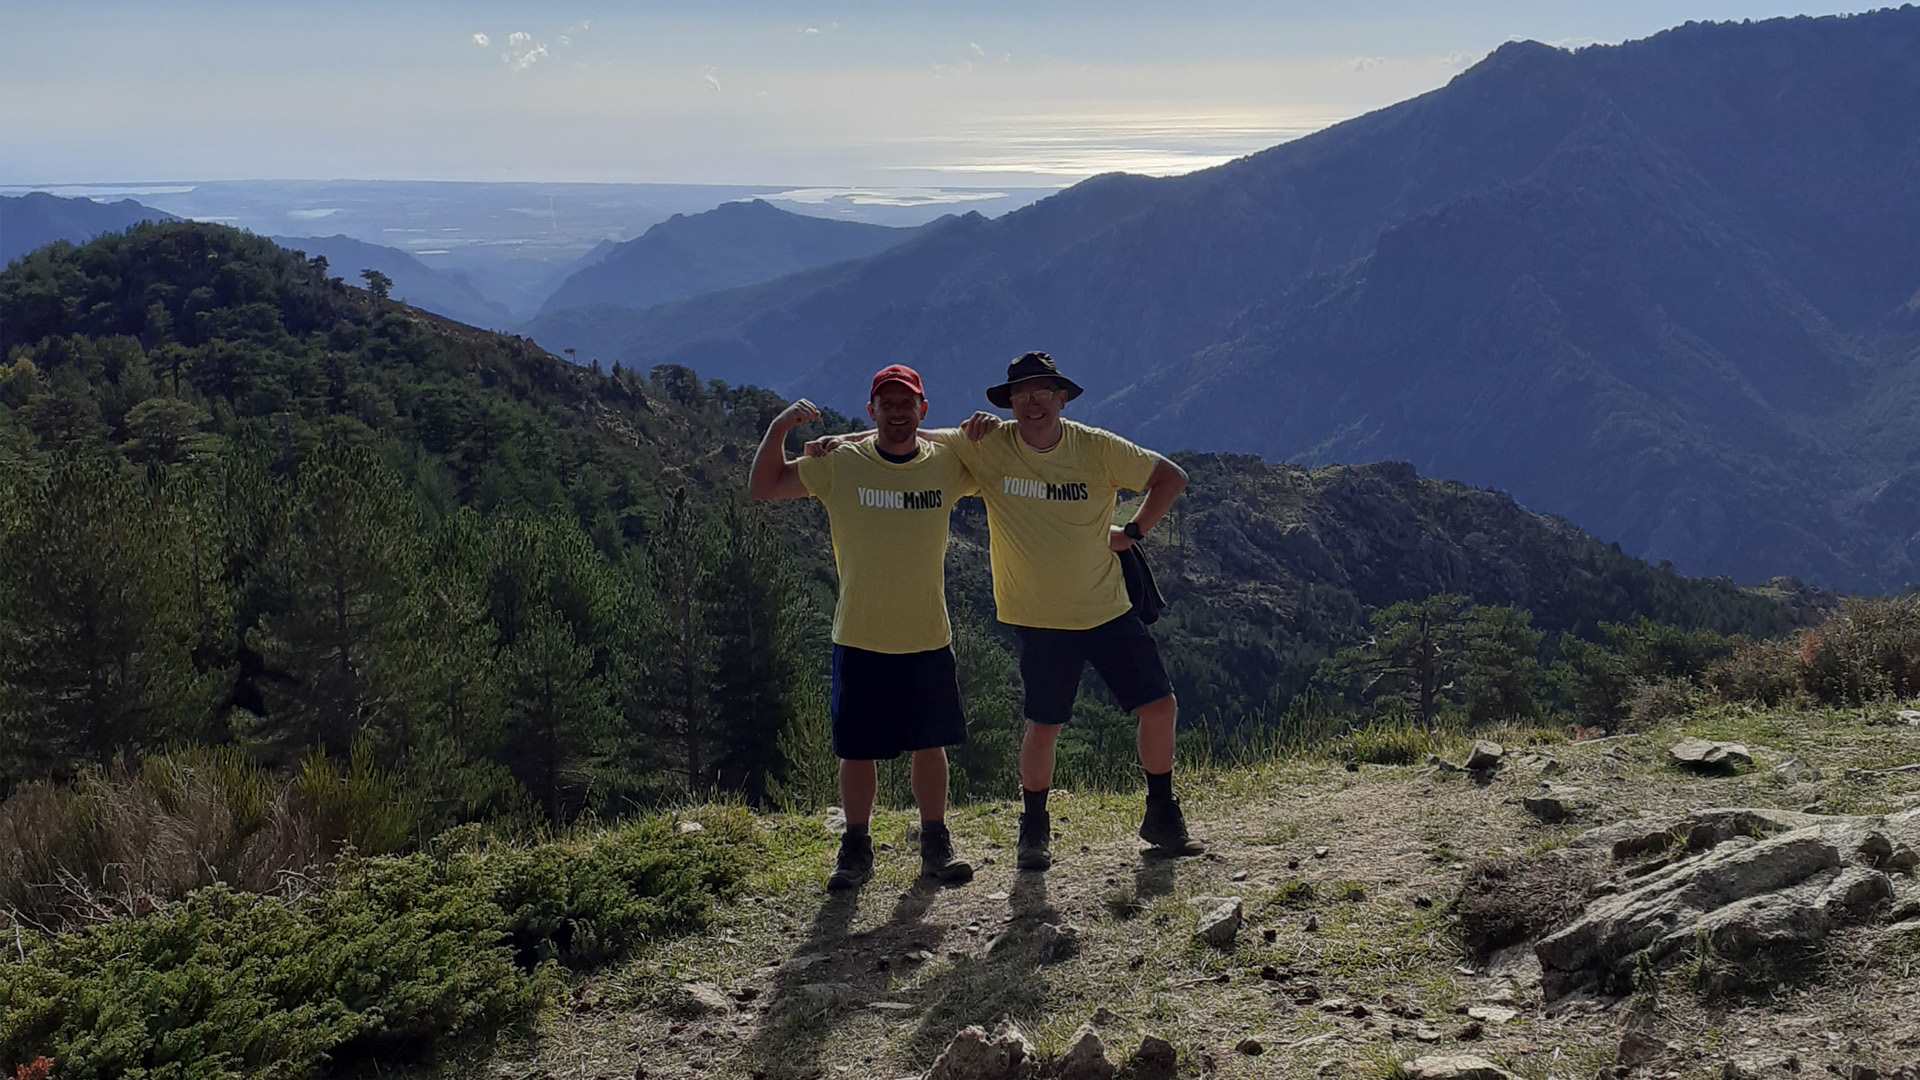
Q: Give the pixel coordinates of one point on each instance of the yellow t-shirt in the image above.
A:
(889, 527)
(1048, 516)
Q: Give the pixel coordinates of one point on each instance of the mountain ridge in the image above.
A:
(1692, 245)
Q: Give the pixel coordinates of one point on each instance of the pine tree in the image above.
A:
(760, 640)
(348, 556)
(100, 604)
(679, 696)
(1502, 665)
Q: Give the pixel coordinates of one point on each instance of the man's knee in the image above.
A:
(1159, 708)
(1046, 734)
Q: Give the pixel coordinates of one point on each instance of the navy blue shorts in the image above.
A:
(1122, 651)
(888, 704)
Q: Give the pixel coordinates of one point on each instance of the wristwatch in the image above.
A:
(1132, 529)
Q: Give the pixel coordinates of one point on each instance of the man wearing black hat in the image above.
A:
(1051, 486)
(895, 690)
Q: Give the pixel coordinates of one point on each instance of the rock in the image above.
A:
(1537, 762)
(1471, 1031)
(1795, 771)
(1052, 941)
(1328, 1067)
(1442, 765)
(1426, 1034)
(1154, 1060)
(1313, 923)
(1057, 941)
(1322, 852)
(1909, 717)
(1086, 1057)
(1555, 803)
(824, 995)
(974, 1055)
(1250, 1046)
(1492, 1014)
(701, 999)
(1709, 756)
(1639, 1042)
(896, 1008)
(1745, 899)
(688, 828)
(1220, 924)
(1455, 1067)
(1486, 756)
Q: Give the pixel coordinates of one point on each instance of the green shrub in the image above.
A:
(392, 958)
(584, 904)
(1870, 650)
(1657, 701)
(1765, 672)
(231, 984)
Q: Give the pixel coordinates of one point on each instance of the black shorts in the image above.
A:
(887, 704)
(1122, 651)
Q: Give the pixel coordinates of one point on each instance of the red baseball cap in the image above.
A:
(899, 373)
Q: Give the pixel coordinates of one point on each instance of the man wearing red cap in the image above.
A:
(895, 691)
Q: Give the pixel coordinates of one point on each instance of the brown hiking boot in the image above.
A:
(937, 858)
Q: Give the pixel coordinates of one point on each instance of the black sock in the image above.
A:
(933, 825)
(858, 831)
(1160, 785)
(1036, 801)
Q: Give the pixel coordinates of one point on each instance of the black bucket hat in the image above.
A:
(1033, 365)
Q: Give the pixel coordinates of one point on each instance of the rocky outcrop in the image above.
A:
(1705, 756)
(1747, 885)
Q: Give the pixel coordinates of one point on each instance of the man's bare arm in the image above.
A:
(1163, 487)
(773, 476)
(974, 427)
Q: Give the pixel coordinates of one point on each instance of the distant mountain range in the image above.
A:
(443, 292)
(735, 244)
(37, 219)
(1669, 289)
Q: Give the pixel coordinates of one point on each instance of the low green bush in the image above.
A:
(391, 958)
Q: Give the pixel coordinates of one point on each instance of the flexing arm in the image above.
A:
(773, 476)
(1163, 487)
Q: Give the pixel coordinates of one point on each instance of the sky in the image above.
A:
(885, 92)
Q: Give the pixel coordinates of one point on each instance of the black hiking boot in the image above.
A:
(854, 865)
(1036, 840)
(1165, 827)
(937, 860)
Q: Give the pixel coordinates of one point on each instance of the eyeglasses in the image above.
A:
(1034, 393)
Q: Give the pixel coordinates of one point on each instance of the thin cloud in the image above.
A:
(482, 40)
(977, 50)
(712, 79)
(522, 51)
(1367, 63)
(811, 30)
